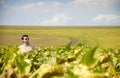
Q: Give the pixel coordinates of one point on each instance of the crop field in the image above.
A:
(61, 52)
(105, 37)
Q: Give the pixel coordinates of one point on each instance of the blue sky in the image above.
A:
(60, 12)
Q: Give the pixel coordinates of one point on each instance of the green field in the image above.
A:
(52, 58)
(105, 37)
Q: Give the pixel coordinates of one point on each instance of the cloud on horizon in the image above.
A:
(59, 19)
(106, 19)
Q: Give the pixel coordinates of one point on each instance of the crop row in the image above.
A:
(60, 62)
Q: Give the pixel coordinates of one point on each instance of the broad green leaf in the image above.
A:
(88, 58)
(9, 54)
(21, 64)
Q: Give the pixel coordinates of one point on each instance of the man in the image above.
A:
(26, 46)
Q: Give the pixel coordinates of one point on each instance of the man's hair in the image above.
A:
(24, 36)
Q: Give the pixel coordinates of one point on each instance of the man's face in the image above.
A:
(25, 39)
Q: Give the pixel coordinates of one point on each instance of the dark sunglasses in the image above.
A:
(25, 38)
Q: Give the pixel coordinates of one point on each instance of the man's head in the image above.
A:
(25, 38)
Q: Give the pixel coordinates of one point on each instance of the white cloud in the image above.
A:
(101, 3)
(82, 1)
(40, 4)
(107, 19)
(56, 4)
(58, 19)
(29, 6)
(34, 7)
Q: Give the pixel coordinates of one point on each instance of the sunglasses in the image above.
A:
(25, 38)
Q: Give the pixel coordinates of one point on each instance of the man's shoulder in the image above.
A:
(20, 46)
(32, 46)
